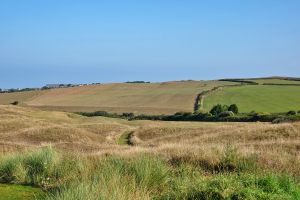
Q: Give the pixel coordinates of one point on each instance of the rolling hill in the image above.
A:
(145, 98)
(269, 95)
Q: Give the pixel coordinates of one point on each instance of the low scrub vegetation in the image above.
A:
(222, 113)
(15, 103)
(144, 176)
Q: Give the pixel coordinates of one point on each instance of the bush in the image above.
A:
(291, 112)
(233, 108)
(15, 103)
(217, 113)
(183, 113)
(226, 114)
(216, 110)
(128, 115)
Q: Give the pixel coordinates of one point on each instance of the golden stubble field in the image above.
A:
(275, 146)
(148, 98)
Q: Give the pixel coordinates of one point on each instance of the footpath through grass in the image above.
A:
(125, 138)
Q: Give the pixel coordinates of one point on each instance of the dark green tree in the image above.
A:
(291, 112)
(233, 108)
(217, 109)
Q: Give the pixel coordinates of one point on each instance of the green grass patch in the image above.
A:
(19, 192)
(260, 98)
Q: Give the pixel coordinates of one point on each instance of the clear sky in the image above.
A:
(72, 41)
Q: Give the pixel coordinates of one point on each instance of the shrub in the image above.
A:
(183, 113)
(233, 108)
(226, 114)
(128, 115)
(291, 112)
(279, 120)
(225, 108)
(260, 114)
(217, 109)
(264, 113)
(15, 103)
(217, 113)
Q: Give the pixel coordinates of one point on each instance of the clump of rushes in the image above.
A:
(11, 169)
(144, 176)
(44, 168)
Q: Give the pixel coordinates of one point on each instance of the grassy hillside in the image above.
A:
(7, 98)
(162, 98)
(90, 158)
(260, 98)
(154, 98)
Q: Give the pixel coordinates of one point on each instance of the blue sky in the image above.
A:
(69, 41)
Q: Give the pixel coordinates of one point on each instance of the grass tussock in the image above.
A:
(44, 168)
(143, 176)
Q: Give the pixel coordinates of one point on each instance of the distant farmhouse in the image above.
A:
(52, 86)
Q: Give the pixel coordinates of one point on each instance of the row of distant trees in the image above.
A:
(217, 113)
(59, 86)
(17, 90)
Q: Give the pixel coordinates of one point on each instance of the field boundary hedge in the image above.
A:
(204, 117)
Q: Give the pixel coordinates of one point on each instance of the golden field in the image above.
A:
(139, 98)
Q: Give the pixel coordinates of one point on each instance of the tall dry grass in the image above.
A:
(144, 176)
(167, 160)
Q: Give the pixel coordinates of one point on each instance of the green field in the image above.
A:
(274, 81)
(260, 98)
